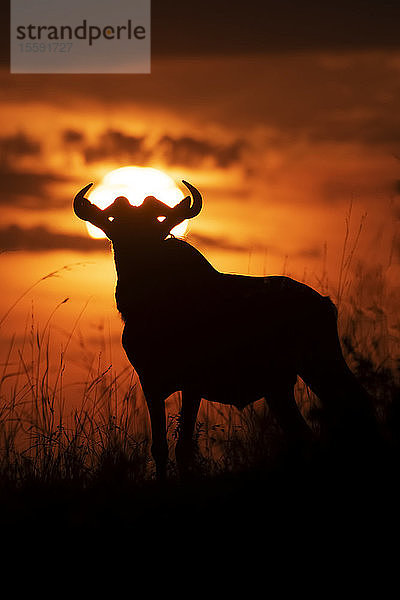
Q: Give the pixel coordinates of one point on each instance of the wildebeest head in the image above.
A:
(151, 221)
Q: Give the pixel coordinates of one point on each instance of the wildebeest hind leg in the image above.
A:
(282, 403)
(185, 446)
(347, 409)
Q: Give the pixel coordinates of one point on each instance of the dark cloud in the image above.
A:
(365, 186)
(28, 189)
(310, 252)
(116, 145)
(321, 97)
(185, 150)
(205, 241)
(15, 237)
(180, 28)
(215, 242)
(18, 145)
(381, 128)
(189, 151)
(72, 136)
(396, 249)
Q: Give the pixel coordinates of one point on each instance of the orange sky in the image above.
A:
(280, 144)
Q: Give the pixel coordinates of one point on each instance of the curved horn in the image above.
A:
(87, 211)
(197, 204)
(82, 204)
(183, 210)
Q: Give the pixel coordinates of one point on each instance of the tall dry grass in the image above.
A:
(106, 438)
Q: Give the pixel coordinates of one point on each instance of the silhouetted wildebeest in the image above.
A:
(226, 338)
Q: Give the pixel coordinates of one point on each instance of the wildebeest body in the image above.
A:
(224, 334)
(226, 338)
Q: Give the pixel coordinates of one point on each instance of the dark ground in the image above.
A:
(317, 495)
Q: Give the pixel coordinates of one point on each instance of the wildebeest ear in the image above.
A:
(187, 208)
(183, 206)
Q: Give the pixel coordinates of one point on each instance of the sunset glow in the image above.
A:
(135, 183)
(238, 379)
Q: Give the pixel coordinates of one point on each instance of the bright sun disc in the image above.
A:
(135, 183)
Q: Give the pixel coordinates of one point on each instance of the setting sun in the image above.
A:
(135, 183)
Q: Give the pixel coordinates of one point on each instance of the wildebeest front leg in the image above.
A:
(185, 446)
(159, 446)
